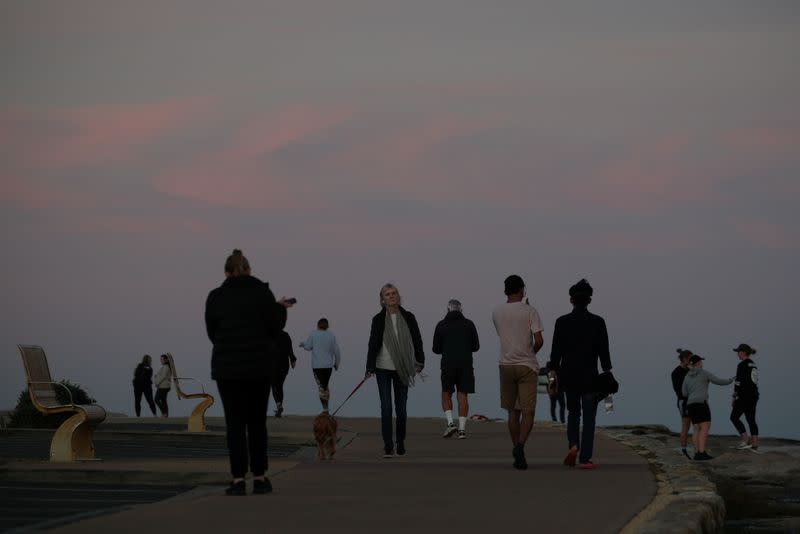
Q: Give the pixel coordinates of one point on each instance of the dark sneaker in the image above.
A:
(587, 465)
(236, 489)
(519, 458)
(401, 449)
(704, 456)
(449, 431)
(462, 434)
(388, 453)
(279, 411)
(261, 487)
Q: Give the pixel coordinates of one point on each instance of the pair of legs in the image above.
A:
(461, 379)
(581, 440)
(245, 405)
(748, 409)
(685, 422)
(322, 376)
(147, 391)
(161, 401)
(518, 398)
(388, 382)
(276, 384)
(700, 414)
(560, 400)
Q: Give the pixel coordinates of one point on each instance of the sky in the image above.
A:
(653, 148)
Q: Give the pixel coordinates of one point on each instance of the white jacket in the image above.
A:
(163, 378)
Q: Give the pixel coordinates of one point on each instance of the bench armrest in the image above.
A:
(176, 378)
(69, 393)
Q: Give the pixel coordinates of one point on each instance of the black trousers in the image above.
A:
(161, 400)
(148, 396)
(748, 408)
(277, 385)
(245, 405)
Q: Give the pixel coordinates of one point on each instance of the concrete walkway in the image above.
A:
(442, 485)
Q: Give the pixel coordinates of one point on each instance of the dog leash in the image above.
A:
(351, 394)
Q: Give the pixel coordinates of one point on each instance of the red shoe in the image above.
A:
(571, 457)
(587, 465)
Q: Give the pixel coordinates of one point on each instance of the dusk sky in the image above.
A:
(653, 148)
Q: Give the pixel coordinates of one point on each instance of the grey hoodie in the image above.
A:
(695, 385)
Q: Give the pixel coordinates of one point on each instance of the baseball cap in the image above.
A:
(744, 347)
(695, 358)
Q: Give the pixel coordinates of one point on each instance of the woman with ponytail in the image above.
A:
(745, 397)
(244, 322)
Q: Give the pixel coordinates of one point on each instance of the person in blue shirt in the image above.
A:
(325, 358)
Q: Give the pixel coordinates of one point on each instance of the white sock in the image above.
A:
(462, 423)
(449, 416)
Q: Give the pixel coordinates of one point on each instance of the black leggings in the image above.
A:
(161, 400)
(277, 385)
(748, 408)
(245, 405)
(148, 396)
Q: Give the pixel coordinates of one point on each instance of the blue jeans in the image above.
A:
(577, 403)
(388, 380)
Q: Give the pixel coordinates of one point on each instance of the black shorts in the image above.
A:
(682, 409)
(323, 375)
(699, 412)
(461, 378)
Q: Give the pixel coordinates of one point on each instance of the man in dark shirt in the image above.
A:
(678, 374)
(580, 340)
(456, 338)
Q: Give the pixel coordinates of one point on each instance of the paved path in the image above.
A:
(464, 486)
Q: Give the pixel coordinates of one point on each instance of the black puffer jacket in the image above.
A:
(243, 321)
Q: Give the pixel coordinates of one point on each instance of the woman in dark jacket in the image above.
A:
(243, 322)
(143, 385)
(394, 356)
(285, 359)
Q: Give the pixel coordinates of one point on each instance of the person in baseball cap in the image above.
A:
(745, 397)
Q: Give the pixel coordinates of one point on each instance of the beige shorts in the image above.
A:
(518, 387)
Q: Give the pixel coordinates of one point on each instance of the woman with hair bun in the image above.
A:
(678, 374)
(745, 397)
(244, 323)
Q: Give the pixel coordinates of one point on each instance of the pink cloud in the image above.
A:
(77, 137)
(241, 174)
(765, 234)
(32, 194)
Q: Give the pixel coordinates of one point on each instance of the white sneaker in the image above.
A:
(462, 434)
(449, 431)
(744, 445)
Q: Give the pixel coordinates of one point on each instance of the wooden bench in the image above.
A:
(197, 421)
(73, 439)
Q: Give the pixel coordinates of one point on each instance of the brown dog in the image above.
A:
(325, 433)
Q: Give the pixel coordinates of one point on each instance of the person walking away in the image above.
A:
(695, 389)
(580, 342)
(143, 385)
(395, 356)
(283, 362)
(745, 397)
(556, 396)
(243, 322)
(678, 374)
(325, 358)
(456, 339)
(520, 331)
(163, 380)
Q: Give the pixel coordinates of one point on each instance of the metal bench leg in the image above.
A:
(197, 421)
(73, 440)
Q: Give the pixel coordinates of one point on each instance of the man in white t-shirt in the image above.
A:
(520, 330)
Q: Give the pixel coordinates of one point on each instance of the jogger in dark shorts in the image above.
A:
(695, 389)
(456, 338)
(325, 357)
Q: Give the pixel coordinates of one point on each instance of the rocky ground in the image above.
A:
(737, 491)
